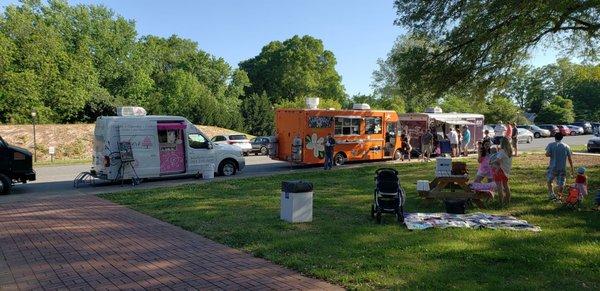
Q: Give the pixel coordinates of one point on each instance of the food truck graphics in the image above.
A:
(360, 135)
(160, 146)
(416, 124)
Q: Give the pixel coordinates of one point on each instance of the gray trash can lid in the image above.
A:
(296, 186)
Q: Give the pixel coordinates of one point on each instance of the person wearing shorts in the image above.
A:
(427, 145)
(559, 153)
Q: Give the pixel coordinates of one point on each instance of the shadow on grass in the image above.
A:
(343, 245)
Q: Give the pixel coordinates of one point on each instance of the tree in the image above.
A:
(395, 103)
(500, 108)
(258, 114)
(300, 103)
(295, 68)
(559, 111)
(477, 43)
(396, 82)
(462, 104)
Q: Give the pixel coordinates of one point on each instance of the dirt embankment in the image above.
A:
(71, 141)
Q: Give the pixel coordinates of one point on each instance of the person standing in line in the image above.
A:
(499, 131)
(460, 139)
(466, 140)
(559, 153)
(426, 145)
(514, 138)
(453, 137)
(509, 131)
(329, 149)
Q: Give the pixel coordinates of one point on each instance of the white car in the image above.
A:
(239, 140)
(490, 129)
(524, 135)
(576, 130)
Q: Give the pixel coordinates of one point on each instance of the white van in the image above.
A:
(157, 146)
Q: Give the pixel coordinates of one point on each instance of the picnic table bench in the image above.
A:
(454, 187)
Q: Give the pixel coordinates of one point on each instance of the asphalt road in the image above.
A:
(539, 144)
(56, 181)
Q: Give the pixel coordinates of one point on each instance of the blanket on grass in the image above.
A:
(417, 221)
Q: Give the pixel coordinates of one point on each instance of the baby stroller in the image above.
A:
(388, 196)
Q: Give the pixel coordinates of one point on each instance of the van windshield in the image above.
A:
(237, 137)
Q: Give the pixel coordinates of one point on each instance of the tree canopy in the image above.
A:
(74, 63)
(295, 68)
(476, 43)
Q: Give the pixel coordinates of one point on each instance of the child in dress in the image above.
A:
(484, 170)
(581, 183)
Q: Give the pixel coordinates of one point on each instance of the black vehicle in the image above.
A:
(587, 127)
(260, 145)
(551, 127)
(15, 166)
(595, 127)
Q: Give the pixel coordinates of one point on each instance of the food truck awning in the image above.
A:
(171, 125)
(454, 121)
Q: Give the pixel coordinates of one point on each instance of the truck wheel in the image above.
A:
(264, 151)
(339, 159)
(397, 155)
(227, 168)
(5, 184)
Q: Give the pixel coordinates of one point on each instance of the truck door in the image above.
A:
(199, 152)
(391, 131)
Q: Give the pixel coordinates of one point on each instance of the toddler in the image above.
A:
(581, 183)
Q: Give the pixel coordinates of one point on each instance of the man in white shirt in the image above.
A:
(499, 131)
(453, 137)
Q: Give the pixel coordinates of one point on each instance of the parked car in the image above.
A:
(551, 127)
(260, 145)
(15, 166)
(564, 130)
(524, 135)
(587, 126)
(593, 145)
(595, 127)
(576, 130)
(239, 140)
(537, 131)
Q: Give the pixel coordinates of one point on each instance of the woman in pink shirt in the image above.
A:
(509, 130)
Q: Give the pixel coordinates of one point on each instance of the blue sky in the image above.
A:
(358, 32)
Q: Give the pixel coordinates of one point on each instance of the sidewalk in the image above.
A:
(86, 242)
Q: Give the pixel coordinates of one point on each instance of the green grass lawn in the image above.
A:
(344, 246)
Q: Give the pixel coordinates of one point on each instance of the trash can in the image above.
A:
(296, 203)
(208, 171)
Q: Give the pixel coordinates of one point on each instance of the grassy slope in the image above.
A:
(344, 246)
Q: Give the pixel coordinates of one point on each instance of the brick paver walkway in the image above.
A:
(86, 242)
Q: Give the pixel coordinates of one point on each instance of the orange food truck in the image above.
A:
(361, 134)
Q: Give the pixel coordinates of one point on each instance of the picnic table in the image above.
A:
(454, 187)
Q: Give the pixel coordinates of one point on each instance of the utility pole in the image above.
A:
(33, 117)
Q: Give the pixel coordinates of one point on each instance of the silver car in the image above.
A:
(524, 135)
(537, 131)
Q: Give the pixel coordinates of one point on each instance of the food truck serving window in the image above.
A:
(346, 126)
(372, 125)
